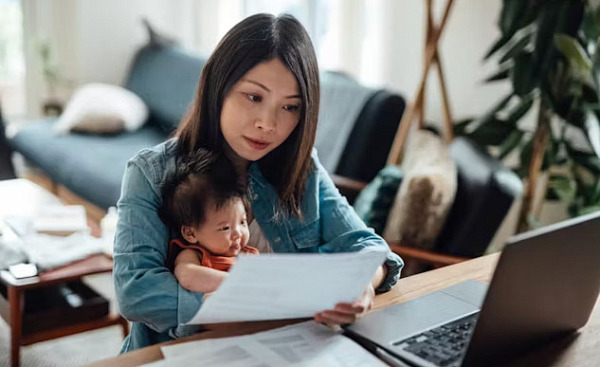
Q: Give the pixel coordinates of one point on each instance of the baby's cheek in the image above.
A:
(245, 237)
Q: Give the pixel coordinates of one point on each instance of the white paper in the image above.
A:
(306, 344)
(286, 286)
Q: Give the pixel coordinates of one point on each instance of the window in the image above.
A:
(313, 14)
(12, 64)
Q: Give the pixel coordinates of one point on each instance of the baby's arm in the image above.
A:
(192, 276)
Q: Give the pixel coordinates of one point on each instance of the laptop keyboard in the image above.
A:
(443, 345)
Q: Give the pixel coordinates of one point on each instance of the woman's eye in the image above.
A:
(253, 97)
(291, 107)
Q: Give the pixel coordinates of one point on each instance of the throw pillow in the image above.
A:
(374, 202)
(426, 193)
(102, 108)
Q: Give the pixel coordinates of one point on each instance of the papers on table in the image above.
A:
(304, 344)
(285, 286)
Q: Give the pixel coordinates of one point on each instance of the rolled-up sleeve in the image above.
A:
(146, 290)
(344, 231)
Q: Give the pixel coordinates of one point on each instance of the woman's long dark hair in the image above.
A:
(257, 39)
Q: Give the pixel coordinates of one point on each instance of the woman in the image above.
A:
(257, 102)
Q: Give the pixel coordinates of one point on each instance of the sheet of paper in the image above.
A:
(306, 344)
(285, 286)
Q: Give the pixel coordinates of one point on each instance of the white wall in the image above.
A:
(470, 31)
(94, 41)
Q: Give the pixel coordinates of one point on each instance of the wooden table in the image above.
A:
(21, 197)
(580, 350)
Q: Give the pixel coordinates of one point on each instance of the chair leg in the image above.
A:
(15, 299)
(124, 327)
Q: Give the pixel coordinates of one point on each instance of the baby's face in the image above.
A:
(224, 231)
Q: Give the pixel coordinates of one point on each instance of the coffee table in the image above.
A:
(22, 197)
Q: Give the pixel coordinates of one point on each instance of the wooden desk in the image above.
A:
(21, 197)
(580, 350)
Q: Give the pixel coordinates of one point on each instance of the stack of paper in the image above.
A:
(60, 220)
(288, 286)
(305, 344)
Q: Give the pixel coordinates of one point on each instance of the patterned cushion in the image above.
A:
(427, 192)
(374, 202)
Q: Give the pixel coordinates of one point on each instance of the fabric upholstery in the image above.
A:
(426, 193)
(374, 202)
(91, 166)
(165, 78)
(486, 190)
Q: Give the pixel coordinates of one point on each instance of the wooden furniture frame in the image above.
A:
(21, 196)
(417, 108)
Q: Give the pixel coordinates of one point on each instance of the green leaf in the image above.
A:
(511, 13)
(523, 76)
(499, 75)
(589, 209)
(574, 53)
(561, 187)
(586, 160)
(521, 109)
(591, 24)
(492, 133)
(501, 42)
(518, 45)
(459, 127)
(510, 143)
(525, 158)
(490, 116)
(592, 128)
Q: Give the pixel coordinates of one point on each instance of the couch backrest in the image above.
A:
(486, 190)
(165, 78)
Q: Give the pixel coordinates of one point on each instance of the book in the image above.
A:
(60, 220)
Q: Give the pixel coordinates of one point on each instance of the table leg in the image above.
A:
(124, 327)
(15, 300)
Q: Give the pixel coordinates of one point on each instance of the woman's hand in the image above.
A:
(347, 313)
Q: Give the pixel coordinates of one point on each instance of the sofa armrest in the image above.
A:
(429, 257)
(348, 187)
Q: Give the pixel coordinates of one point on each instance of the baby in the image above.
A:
(204, 204)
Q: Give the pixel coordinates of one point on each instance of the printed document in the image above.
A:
(305, 344)
(287, 286)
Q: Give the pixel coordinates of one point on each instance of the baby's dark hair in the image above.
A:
(201, 179)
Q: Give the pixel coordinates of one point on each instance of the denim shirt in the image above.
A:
(148, 293)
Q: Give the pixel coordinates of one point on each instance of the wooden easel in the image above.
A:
(416, 110)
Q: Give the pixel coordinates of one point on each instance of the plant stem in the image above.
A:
(540, 143)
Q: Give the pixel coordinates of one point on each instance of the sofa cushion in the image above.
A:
(165, 78)
(426, 193)
(91, 166)
(100, 108)
(374, 202)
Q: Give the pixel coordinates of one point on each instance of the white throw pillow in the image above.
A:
(102, 109)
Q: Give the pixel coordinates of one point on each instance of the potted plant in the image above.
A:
(549, 52)
(52, 106)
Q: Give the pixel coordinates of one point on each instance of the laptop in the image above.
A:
(545, 285)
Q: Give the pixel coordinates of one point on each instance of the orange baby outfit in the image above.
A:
(209, 260)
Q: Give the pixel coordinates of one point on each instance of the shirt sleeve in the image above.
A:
(146, 290)
(344, 231)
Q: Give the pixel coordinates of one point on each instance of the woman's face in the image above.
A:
(261, 110)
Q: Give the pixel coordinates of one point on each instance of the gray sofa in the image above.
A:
(165, 77)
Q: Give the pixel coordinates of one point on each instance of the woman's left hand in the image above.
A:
(347, 313)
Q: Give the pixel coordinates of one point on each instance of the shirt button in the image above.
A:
(277, 239)
(255, 196)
